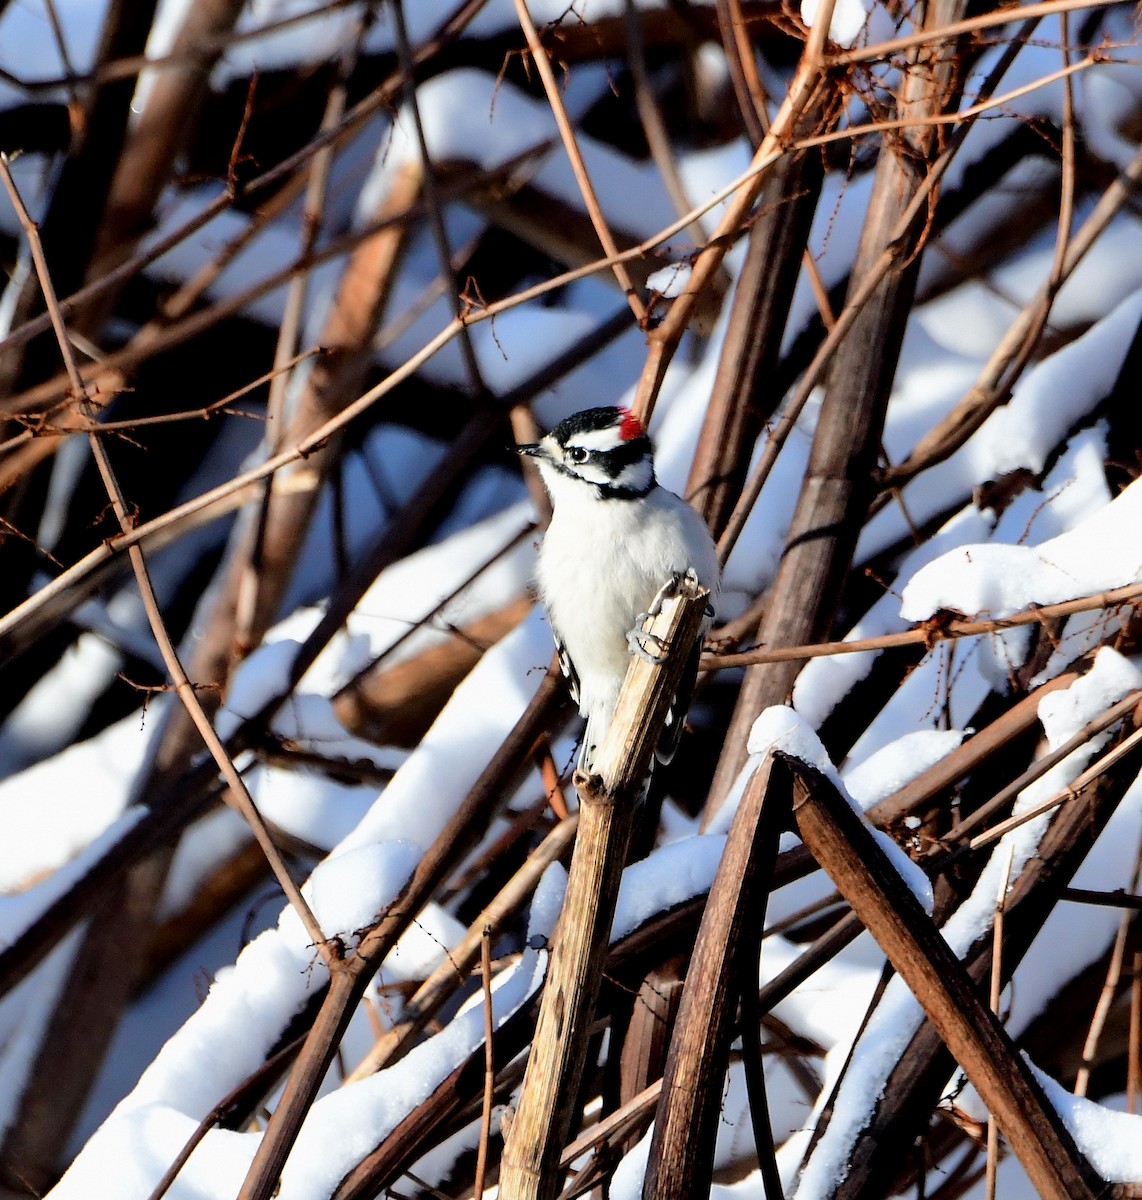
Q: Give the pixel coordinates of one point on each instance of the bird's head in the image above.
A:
(602, 452)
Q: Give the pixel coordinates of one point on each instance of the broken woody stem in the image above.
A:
(608, 802)
(844, 846)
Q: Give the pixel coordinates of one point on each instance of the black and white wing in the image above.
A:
(676, 714)
(568, 668)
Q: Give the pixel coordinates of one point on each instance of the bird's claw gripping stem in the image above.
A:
(649, 646)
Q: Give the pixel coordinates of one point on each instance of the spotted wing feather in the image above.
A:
(676, 714)
(568, 669)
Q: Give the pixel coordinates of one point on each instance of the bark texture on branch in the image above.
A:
(838, 484)
(608, 800)
(682, 1151)
(846, 849)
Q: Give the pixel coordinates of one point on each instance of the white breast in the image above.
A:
(601, 564)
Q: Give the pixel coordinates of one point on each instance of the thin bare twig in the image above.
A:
(1110, 986)
(489, 1064)
(571, 145)
(182, 685)
(994, 1000)
(45, 429)
(955, 29)
(929, 634)
(1134, 1050)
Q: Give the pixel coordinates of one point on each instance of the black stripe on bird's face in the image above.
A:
(606, 447)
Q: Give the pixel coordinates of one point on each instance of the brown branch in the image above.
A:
(571, 145)
(930, 634)
(530, 1165)
(154, 142)
(682, 1151)
(956, 29)
(743, 70)
(489, 1062)
(1007, 361)
(44, 428)
(845, 847)
(1117, 712)
(316, 183)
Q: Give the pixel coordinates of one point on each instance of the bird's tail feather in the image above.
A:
(593, 737)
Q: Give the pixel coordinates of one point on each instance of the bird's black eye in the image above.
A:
(578, 455)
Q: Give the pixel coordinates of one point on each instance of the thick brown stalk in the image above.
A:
(838, 484)
(743, 70)
(352, 975)
(860, 292)
(664, 339)
(743, 397)
(914, 1086)
(845, 847)
(155, 140)
(647, 1024)
(608, 801)
(452, 1103)
(685, 1128)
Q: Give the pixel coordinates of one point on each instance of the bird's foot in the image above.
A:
(646, 645)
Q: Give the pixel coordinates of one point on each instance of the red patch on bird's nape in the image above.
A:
(631, 427)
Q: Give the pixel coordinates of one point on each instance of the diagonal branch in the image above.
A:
(682, 1152)
(887, 907)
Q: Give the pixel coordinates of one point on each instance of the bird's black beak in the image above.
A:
(530, 449)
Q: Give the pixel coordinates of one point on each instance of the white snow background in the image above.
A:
(64, 804)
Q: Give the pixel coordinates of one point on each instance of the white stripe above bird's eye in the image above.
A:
(596, 439)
